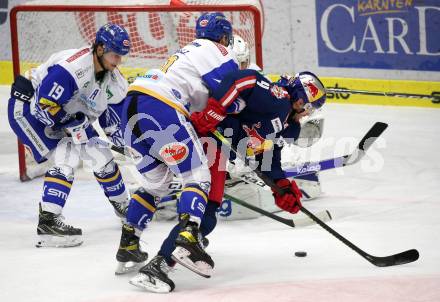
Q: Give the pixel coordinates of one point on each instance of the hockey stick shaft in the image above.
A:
(401, 258)
(126, 151)
(327, 164)
(325, 215)
(434, 97)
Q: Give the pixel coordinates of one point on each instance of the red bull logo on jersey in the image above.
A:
(256, 143)
(174, 153)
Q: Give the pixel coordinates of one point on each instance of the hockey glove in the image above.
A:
(209, 118)
(80, 129)
(290, 200)
(22, 89)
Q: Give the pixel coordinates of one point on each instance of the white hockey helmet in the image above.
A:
(241, 51)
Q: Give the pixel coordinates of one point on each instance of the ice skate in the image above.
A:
(190, 253)
(120, 209)
(153, 277)
(129, 256)
(53, 232)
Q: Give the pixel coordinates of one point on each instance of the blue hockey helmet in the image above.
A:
(305, 85)
(114, 38)
(214, 26)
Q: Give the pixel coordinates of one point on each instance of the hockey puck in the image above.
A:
(300, 254)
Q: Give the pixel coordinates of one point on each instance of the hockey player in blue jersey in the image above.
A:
(258, 117)
(261, 115)
(155, 122)
(51, 110)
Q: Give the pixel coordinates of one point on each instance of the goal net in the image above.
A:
(157, 29)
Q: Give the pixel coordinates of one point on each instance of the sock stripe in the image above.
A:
(58, 181)
(195, 190)
(143, 202)
(114, 177)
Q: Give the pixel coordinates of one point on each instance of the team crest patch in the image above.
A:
(203, 23)
(278, 92)
(174, 153)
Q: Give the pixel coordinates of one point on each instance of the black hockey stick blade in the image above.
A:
(397, 259)
(365, 143)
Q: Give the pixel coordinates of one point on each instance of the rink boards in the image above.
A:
(402, 86)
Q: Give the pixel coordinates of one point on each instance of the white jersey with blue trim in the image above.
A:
(188, 76)
(67, 79)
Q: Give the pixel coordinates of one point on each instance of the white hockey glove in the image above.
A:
(80, 129)
(312, 127)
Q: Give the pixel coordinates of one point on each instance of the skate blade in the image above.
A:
(128, 267)
(180, 255)
(59, 241)
(143, 281)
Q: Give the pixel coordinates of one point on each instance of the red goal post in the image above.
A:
(156, 31)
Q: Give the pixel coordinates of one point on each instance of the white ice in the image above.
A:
(383, 208)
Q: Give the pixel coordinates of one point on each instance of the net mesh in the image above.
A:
(43, 28)
(154, 35)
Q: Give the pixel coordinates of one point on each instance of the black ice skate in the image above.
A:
(129, 256)
(153, 277)
(53, 232)
(189, 250)
(120, 209)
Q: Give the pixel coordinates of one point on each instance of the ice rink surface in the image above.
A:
(388, 203)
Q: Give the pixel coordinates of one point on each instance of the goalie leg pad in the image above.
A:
(309, 185)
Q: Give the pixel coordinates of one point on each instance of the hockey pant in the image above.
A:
(169, 145)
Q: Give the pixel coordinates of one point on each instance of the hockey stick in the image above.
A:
(327, 164)
(324, 215)
(396, 259)
(434, 97)
(126, 151)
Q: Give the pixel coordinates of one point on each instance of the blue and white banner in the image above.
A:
(382, 34)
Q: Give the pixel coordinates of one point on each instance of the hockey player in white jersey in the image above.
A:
(51, 110)
(155, 123)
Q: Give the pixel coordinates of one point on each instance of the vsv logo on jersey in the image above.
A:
(174, 153)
